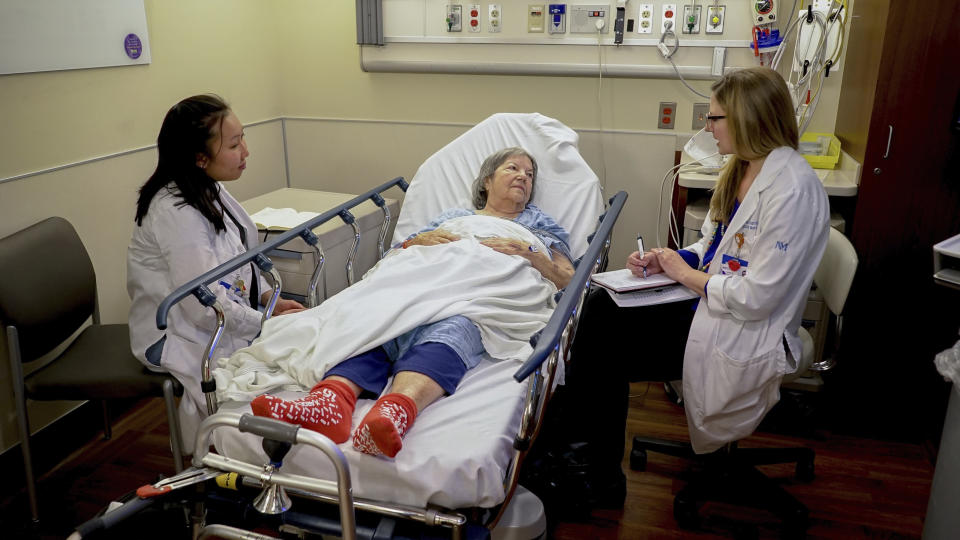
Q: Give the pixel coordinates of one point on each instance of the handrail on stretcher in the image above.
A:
(549, 338)
(197, 286)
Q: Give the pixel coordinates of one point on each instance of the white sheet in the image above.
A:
(566, 187)
(503, 295)
(455, 455)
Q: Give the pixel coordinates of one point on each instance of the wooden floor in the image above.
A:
(863, 488)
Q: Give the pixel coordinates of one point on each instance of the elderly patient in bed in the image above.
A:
(474, 282)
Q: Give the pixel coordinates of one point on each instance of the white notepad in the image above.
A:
(624, 281)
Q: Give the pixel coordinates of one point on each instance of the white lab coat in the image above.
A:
(174, 245)
(735, 359)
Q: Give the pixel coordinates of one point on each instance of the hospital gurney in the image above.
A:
(478, 493)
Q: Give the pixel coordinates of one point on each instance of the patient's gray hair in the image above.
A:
(490, 166)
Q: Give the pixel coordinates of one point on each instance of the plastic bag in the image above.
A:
(948, 363)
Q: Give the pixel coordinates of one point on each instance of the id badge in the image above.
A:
(733, 266)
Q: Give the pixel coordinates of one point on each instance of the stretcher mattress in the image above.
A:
(455, 455)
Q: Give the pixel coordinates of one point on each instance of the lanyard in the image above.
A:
(254, 281)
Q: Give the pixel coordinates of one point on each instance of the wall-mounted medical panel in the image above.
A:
(519, 37)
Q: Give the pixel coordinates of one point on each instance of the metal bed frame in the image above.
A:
(551, 347)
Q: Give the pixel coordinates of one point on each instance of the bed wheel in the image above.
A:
(638, 459)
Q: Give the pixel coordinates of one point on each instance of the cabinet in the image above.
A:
(295, 260)
(897, 115)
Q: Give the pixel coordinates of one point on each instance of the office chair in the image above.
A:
(47, 294)
(730, 474)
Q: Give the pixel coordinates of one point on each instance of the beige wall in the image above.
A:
(293, 58)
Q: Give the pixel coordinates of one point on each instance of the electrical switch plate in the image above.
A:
(557, 23)
(584, 17)
(715, 17)
(668, 111)
(494, 17)
(691, 19)
(473, 17)
(645, 19)
(719, 56)
(669, 18)
(700, 112)
(535, 18)
(454, 12)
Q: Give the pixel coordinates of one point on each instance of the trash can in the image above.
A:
(943, 509)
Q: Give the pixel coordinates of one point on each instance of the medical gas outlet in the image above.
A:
(691, 19)
(493, 18)
(715, 17)
(558, 19)
(454, 12)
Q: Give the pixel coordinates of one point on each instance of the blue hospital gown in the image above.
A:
(458, 332)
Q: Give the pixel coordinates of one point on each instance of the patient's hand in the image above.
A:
(432, 238)
(509, 246)
(285, 307)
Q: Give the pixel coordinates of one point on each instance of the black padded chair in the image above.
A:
(47, 294)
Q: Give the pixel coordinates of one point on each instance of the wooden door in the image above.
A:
(909, 199)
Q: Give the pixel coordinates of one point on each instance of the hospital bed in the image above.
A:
(457, 473)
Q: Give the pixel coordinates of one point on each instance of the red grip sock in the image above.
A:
(327, 409)
(381, 430)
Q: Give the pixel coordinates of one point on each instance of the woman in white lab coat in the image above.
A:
(764, 236)
(187, 224)
(762, 241)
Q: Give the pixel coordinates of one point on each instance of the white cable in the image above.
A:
(667, 52)
(674, 229)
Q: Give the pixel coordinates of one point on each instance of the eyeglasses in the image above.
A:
(711, 118)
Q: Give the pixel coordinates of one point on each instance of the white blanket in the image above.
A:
(502, 294)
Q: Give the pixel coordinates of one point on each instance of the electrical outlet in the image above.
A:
(535, 18)
(700, 112)
(715, 17)
(668, 110)
(493, 21)
(691, 19)
(454, 12)
(669, 19)
(645, 19)
(473, 17)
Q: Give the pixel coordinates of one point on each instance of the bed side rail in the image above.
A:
(197, 287)
(550, 336)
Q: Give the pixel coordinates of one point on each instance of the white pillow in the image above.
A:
(566, 188)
